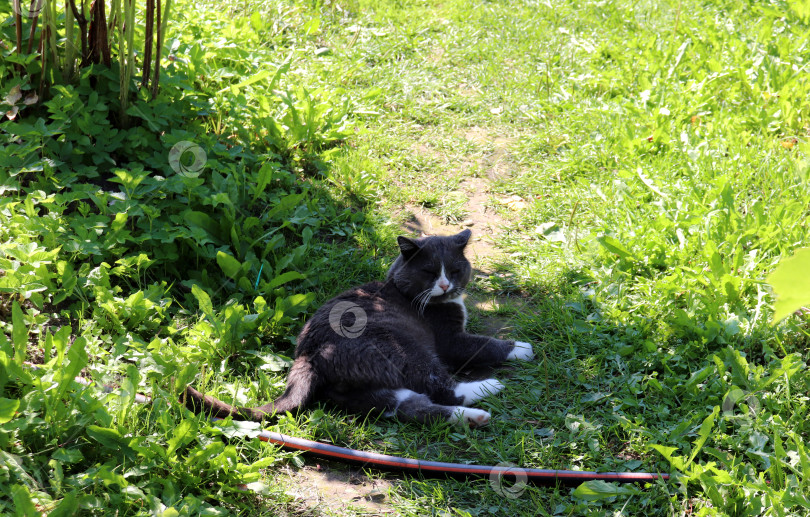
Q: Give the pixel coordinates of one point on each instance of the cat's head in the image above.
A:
(431, 269)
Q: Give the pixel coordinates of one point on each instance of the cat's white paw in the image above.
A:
(470, 416)
(472, 391)
(522, 352)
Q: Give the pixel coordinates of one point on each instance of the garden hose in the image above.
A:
(455, 470)
(428, 468)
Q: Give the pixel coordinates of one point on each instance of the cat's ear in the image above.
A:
(462, 238)
(407, 246)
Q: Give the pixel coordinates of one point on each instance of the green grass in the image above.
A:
(658, 144)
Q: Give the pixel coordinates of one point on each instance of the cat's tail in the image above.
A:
(302, 383)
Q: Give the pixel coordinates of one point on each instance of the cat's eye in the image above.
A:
(455, 271)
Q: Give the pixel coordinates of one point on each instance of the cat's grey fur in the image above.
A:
(398, 360)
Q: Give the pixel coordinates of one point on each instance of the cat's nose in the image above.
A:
(444, 286)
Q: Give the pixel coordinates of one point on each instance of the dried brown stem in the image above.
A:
(18, 26)
(148, 42)
(156, 79)
(82, 21)
(99, 42)
(32, 34)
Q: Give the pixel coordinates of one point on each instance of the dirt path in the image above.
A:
(482, 218)
(328, 488)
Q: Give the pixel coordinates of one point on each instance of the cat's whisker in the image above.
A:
(425, 296)
(417, 299)
(421, 300)
(425, 301)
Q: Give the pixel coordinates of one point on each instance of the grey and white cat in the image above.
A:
(390, 346)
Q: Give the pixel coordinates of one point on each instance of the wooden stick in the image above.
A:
(148, 39)
(18, 26)
(156, 79)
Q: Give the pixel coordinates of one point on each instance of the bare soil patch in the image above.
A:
(485, 222)
(482, 218)
(328, 488)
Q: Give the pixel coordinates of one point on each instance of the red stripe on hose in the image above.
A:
(540, 476)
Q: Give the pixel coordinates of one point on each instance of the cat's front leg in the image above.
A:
(470, 350)
(521, 351)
